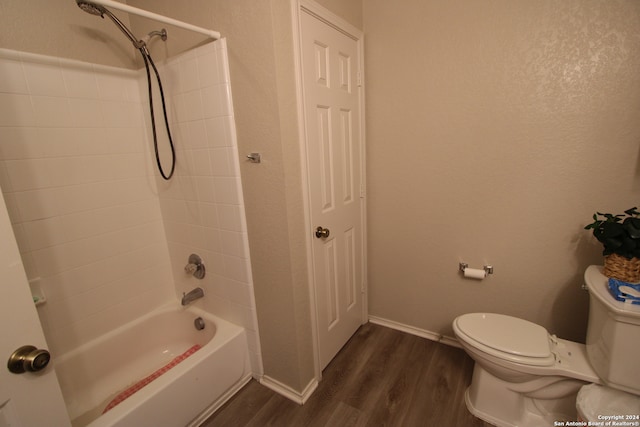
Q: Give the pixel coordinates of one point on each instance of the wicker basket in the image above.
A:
(621, 268)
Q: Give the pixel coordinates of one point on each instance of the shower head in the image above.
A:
(92, 8)
(98, 10)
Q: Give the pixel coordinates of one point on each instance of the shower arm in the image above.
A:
(160, 18)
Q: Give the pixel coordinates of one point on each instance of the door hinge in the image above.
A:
(359, 78)
(363, 191)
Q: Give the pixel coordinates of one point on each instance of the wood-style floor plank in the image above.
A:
(382, 377)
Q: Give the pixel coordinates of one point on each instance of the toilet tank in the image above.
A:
(613, 335)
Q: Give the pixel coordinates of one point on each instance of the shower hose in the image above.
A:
(148, 61)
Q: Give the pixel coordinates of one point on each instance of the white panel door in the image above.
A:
(29, 399)
(330, 66)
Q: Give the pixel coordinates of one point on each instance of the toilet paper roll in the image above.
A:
(474, 273)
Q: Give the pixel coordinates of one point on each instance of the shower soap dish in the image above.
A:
(36, 291)
(624, 292)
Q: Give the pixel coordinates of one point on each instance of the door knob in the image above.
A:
(322, 233)
(28, 358)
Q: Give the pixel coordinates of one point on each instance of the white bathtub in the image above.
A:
(187, 394)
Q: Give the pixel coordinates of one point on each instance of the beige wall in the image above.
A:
(494, 130)
(349, 10)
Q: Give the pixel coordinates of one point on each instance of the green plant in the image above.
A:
(619, 234)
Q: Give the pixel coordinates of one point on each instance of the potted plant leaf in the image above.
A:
(620, 236)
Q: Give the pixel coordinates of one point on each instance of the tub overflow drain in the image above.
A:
(199, 323)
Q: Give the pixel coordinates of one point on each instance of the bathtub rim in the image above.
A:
(225, 332)
(165, 308)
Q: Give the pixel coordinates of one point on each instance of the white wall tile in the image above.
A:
(78, 170)
(44, 79)
(217, 131)
(220, 163)
(12, 78)
(193, 213)
(58, 142)
(236, 268)
(193, 106)
(16, 141)
(113, 88)
(230, 217)
(213, 240)
(121, 114)
(188, 75)
(173, 210)
(52, 111)
(196, 135)
(209, 214)
(227, 190)
(201, 162)
(12, 208)
(16, 110)
(80, 83)
(188, 188)
(206, 189)
(208, 69)
(55, 259)
(86, 112)
(233, 244)
(5, 183)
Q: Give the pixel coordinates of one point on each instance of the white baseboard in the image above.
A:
(284, 390)
(452, 341)
(301, 397)
(433, 336)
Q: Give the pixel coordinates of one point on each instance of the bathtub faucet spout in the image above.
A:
(192, 296)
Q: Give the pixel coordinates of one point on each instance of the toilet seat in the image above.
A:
(507, 338)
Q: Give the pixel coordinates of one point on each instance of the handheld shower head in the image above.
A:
(99, 10)
(92, 8)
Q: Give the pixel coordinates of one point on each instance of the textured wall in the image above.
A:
(494, 130)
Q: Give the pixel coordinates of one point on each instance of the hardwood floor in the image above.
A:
(382, 377)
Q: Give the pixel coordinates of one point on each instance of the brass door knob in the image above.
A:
(28, 358)
(322, 233)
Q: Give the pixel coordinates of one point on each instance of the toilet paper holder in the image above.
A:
(487, 268)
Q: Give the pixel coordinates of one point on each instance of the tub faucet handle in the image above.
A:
(195, 267)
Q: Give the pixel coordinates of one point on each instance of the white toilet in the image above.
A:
(525, 377)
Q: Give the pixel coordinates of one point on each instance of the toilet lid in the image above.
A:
(506, 334)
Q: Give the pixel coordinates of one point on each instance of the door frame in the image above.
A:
(334, 21)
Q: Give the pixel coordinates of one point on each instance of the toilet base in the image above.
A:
(493, 400)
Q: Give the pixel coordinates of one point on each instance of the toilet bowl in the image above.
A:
(523, 376)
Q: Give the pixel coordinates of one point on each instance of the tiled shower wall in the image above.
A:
(203, 206)
(100, 234)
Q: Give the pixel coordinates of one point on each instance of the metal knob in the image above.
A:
(195, 267)
(28, 358)
(322, 233)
